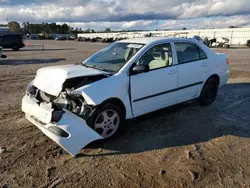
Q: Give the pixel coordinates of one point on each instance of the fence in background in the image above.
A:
(35, 36)
(237, 36)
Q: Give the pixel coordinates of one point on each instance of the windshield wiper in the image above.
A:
(88, 66)
(99, 68)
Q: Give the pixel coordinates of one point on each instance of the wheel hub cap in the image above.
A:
(107, 123)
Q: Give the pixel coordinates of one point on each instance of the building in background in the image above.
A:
(236, 36)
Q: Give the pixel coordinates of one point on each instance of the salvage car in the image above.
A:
(75, 105)
(222, 42)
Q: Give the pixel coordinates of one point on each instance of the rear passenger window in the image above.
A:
(187, 52)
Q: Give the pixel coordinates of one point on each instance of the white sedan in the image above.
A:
(77, 104)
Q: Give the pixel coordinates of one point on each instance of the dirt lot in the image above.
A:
(182, 146)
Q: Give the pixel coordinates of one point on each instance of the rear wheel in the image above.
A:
(107, 120)
(209, 92)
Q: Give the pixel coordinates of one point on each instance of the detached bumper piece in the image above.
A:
(70, 132)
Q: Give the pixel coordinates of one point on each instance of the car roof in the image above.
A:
(148, 40)
(14, 35)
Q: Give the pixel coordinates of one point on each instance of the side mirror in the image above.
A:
(140, 69)
(3, 56)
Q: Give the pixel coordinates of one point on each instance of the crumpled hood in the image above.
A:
(51, 79)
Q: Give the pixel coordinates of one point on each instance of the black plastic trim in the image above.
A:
(169, 91)
(59, 132)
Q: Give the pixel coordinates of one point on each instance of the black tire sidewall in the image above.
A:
(91, 120)
(15, 48)
(202, 99)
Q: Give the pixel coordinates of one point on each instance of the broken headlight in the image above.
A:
(31, 89)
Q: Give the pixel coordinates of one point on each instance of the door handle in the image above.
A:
(204, 65)
(173, 72)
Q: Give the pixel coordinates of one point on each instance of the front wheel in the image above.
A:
(209, 92)
(15, 48)
(107, 120)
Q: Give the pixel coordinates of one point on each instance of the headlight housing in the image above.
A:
(76, 104)
(31, 89)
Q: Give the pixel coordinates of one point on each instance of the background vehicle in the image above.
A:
(1, 54)
(43, 36)
(72, 103)
(14, 42)
(221, 42)
(61, 38)
(248, 43)
(198, 38)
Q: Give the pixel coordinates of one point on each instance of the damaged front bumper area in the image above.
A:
(69, 131)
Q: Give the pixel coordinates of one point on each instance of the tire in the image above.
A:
(15, 48)
(209, 92)
(107, 126)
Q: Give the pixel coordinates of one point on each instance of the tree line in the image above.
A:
(51, 28)
(48, 28)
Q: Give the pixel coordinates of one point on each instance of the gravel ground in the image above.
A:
(183, 146)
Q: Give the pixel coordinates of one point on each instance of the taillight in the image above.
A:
(227, 61)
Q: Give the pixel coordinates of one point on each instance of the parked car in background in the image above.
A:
(1, 53)
(65, 38)
(61, 38)
(198, 38)
(71, 38)
(248, 43)
(12, 41)
(78, 104)
(44, 36)
(222, 42)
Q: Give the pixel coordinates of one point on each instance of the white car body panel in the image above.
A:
(140, 94)
(220, 68)
(41, 112)
(80, 134)
(193, 74)
(146, 85)
(116, 86)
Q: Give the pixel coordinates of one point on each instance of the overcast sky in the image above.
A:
(130, 14)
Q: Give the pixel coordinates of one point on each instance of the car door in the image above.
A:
(7, 41)
(193, 68)
(154, 89)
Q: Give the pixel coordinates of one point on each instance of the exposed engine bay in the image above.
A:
(67, 100)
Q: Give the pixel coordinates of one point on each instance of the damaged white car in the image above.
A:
(75, 105)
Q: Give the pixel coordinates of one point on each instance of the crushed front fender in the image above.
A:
(71, 132)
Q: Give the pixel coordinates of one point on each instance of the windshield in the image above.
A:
(113, 57)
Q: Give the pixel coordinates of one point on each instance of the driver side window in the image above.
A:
(159, 56)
